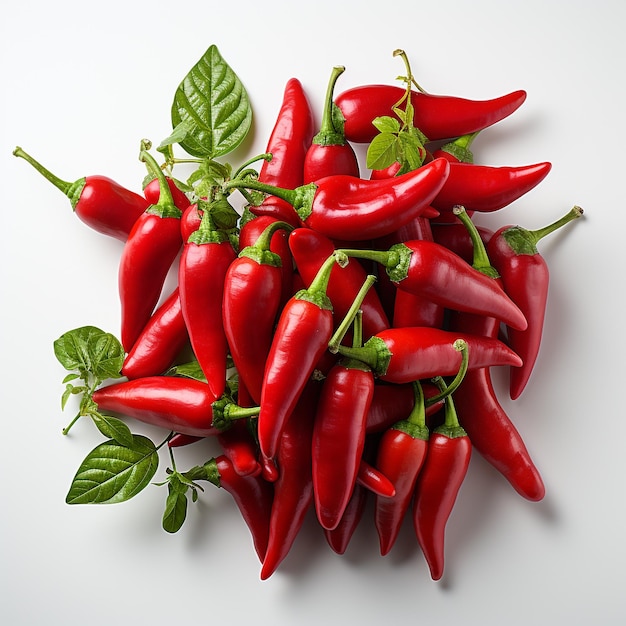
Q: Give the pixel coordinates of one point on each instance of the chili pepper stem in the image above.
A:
(574, 213)
(165, 206)
(266, 156)
(461, 346)
(67, 429)
(481, 260)
(451, 426)
(316, 292)
(409, 77)
(292, 196)
(328, 135)
(342, 329)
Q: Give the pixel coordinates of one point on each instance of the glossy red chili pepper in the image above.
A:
(339, 537)
(149, 252)
(252, 495)
(437, 488)
(310, 250)
(403, 355)
(491, 431)
(204, 262)
(330, 153)
(304, 329)
(428, 269)
(486, 188)
(251, 304)
(160, 342)
(401, 453)
(104, 205)
(458, 150)
(437, 116)
(455, 238)
(374, 480)
(350, 208)
(293, 489)
(179, 404)
(339, 438)
(288, 144)
(525, 277)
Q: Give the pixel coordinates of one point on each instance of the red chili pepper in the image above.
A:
(485, 188)
(339, 537)
(152, 193)
(239, 446)
(183, 405)
(330, 153)
(437, 116)
(288, 144)
(147, 257)
(525, 278)
(339, 437)
(403, 355)
(204, 261)
(293, 488)
(252, 495)
(304, 329)
(438, 485)
(491, 431)
(401, 453)
(427, 269)
(160, 342)
(350, 208)
(310, 250)
(251, 304)
(374, 480)
(104, 205)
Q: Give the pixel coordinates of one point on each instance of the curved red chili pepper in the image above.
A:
(339, 438)
(487, 188)
(401, 454)
(525, 278)
(102, 204)
(374, 480)
(175, 403)
(437, 116)
(491, 431)
(288, 144)
(304, 329)
(252, 495)
(293, 488)
(432, 271)
(251, 304)
(151, 248)
(353, 209)
(204, 262)
(403, 355)
(330, 153)
(310, 250)
(160, 342)
(436, 491)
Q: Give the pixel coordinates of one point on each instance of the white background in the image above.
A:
(82, 83)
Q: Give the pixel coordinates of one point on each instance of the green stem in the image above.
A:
(460, 147)
(451, 427)
(396, 260)
(260, 251)
(288, 195)
(224, 412)
(523, 241)
(461, 346)
(415, 423)
(357, 329)
(410, 79)
(329, 134)
(165, 207)
(266, 156)
(342, 329)
(481, 260)
(67, 429)
(316, 291)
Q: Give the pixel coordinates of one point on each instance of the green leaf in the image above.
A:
(386, 124)
(382, 151)
(175, 506)
(188, 370)
(113, 428)
(213, 105)
(113, 473)
(89, 349)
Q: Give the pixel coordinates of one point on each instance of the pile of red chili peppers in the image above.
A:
(335, 337)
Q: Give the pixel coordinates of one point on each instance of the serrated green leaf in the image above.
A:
(113, 428)
(213, 105)
(386, 124)
(113, 473)
(382, 151)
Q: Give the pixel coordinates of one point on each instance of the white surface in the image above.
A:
(83, 83)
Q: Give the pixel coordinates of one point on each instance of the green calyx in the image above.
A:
(208, 472)
(396, 260)
(374, 353)
(316, 292)
(414, 430)
(415, 424)
(523, 241)
(260, 250)
(303, 202)
(460, 148)
(225, 411)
